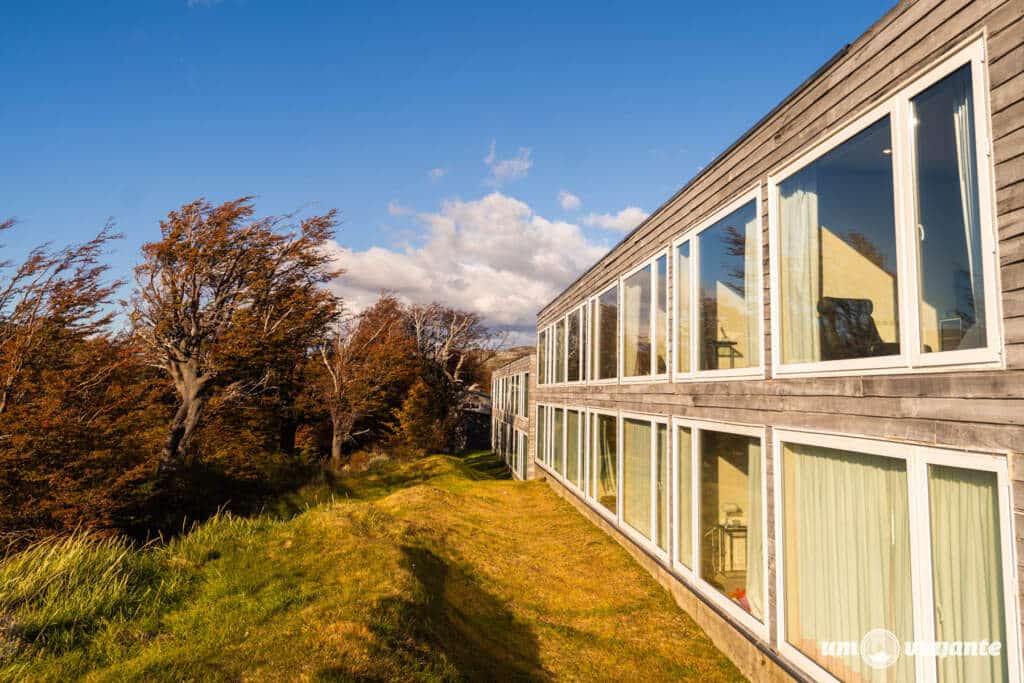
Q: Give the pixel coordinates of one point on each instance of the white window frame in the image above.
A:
(592, 501)
(898, 108)
(693, 576)
(649, 544)
(596, 343)
(652, 376)
(917, 459)
(577, 311)
(692, 235)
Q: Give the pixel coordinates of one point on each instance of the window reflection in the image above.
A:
(608, 331)
(636, 324)
(838, 281)
(728, 292)
(952, 305)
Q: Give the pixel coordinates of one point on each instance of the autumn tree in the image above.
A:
(369, 360)
(451, 346)
(216, 289)
(76, 408)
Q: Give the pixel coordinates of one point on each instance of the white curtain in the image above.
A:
(967, 569)
(633, 300)
(636, 475)
(966, 162)
(751, 287)
(682, 276)
(847, 555)
(755, 532)
(559, 434)
(684, 509)
(800, 267)
(572, 448)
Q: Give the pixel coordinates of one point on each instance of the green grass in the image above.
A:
(441, 569)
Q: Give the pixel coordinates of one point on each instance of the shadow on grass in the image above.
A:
(449, 628)
(486, 464)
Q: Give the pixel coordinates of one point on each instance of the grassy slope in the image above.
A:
(432, 570)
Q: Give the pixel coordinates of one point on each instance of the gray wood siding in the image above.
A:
(974, 410)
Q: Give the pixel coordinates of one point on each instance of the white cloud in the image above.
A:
(492, 255)
(624, 220)
(569, 201)
(508, 169)
(436, 173)
(396, 209)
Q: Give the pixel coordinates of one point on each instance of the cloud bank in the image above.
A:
(492, 255)
(623, 221)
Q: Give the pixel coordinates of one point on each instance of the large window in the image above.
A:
(717, 294)
(728, 263)
(684, 496)
(645, 320)
(837, 266)
(573, 346)
(865, 278)
(573, 447)
(645, 489)
(636, 474)
(604, 473)
(883, 535)
(731, 519)
(636, 323)
(559, 370)
(558, 436)
(607, 334)
(951, 309)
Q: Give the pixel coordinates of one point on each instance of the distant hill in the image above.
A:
(506, 356)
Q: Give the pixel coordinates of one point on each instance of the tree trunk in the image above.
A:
(192, 396)
(341, 427)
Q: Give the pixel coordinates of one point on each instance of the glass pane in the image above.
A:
(952, 305)
(846, 544)
(967, 570)
(731, 524)
(683, 307)
(542, 414)
(636, 324)
(572, 446)
(636, 475)
(661, 315)
(661, 491)
(584, 342)
(837, 275)
(574, 347)
(560, 351)
(592, 336)
(542, 357)
(558, 433)
(608, 330)
(684, 507)
(729, 315)
(606, 458)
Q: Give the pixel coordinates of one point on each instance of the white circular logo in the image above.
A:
(880, 648)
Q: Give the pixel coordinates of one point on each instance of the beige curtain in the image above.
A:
(559, 449)
(800, 268)
(967, 571)
(662, 494)
(847, 555)
(633, 302)
(572, 447)
(684, 509)
(755, 531)
(636, 475)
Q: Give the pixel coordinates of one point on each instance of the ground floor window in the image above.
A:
(912, 540)
(573, 446)
(604, 441)
(558, 435)
(731, 523)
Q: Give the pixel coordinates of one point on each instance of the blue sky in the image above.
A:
(390, 111)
